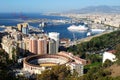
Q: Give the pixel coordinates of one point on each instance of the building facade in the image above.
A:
(55, 37)
(23, 27)
(52, 46)
(109, 55)
(33, 45)
(42, 46)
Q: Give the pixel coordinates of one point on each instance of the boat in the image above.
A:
(89, 33)
(3, 26)
(78, 28)
(97, 30)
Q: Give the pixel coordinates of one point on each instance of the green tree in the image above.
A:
(56, 73)
(107, 63)
(14, 56)
(118, 54)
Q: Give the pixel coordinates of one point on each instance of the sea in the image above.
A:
(10, 19)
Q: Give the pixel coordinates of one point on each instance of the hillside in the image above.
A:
(115, 70)
(97, 9)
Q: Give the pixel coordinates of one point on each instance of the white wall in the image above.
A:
(109, 56)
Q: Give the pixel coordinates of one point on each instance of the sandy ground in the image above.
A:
(115, 69)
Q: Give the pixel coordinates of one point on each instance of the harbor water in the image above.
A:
(8, 20)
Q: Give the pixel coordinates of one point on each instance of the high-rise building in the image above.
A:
(33, 45)
(21, 46)
(38, 46)
(26, 41)
(25, 30)
(30, 45)
(19, 26)
(23, 27)
(18, 36)
(42, 46)
(10, 46)
(55, 37)
(51, 46)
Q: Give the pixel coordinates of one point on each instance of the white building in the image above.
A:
(55, 36)
(52, 47)
(8, 45)
(109, 55)
(76, 67)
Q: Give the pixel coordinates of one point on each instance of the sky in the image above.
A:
(51, 5)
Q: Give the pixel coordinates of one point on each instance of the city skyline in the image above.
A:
(41, 6)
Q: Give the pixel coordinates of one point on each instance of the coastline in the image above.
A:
(90, 37)
(62, 29)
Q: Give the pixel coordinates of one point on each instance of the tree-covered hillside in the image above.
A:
(97, 44)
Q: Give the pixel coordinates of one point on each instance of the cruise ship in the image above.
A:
(78, 28)
(97, 30)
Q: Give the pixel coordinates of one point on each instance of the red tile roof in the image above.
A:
(112, 51)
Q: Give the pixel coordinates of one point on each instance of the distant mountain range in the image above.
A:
(97, 9)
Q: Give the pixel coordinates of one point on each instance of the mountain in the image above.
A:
(97, 9)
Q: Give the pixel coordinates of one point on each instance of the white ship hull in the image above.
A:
(77, 28)
(97, 30)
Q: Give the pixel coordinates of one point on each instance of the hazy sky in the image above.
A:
(50, 5)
